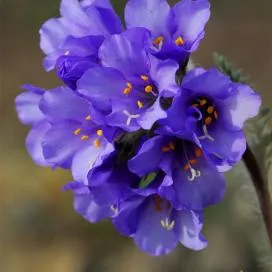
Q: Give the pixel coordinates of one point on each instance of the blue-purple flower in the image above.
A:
(191, 179)
(213, 108)
(156, 227)
(146, 141)
(130, 85)
(71, 42)
(176, 31)
(62, 126)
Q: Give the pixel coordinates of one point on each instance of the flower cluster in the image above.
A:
(146, 140)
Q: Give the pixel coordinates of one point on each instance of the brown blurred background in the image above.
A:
(39, 231)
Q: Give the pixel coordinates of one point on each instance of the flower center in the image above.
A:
(207, 109)
(209, 115)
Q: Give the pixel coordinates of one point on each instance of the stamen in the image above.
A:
(193, 161)
(170, 147)
(88, 118)
(140, 104)
(148, 89)
(130, 117)
(158, 40)
(179, 41)
(206, 135)
(208, 120)
(77, 131)
(167, 225)
(194, 174)
(99, 132)
(97, 143)
(114, 208)
(202, 102)
(195, 105)
(84, 137)
(198, 152)
(210, 109)
(144, 78)
(215, 115)
(158, 203)
(186, 167)
(128, 89)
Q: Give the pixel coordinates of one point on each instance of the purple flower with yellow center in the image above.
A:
(129, 88)
(71, 42)
(176, 31)
(156, 227)
(213, 108)
(191, 179)
(62, 127)
(72, 131)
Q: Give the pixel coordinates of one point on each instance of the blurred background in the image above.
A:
(39, 231)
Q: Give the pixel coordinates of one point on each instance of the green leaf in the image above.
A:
(228, 69)
(145, 181)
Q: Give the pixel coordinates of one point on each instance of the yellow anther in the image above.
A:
(198, 152)
(99, 132)
(193, 161)
(144, 78)
(128, 89)
(84, 137)
(97, 143)
(140, 104)
(172, 146)
(202, 102)
(215, 115)
(186, 167)
(88, 118)
(179, 41)
(77, 131)
(210, 109)
(195, 105)
(148, 89)
(208, 120)
(158, 40)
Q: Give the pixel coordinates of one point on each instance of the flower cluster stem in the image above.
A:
(261, 187)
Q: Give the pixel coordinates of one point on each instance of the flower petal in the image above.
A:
(34, 143)
(150, 14)
(151, 115)
(52, 35)
(149, 156)
(63, 104)
(243, 104)
(151, 237)
(60, 144)
(86, 207)
(123, 54)
(164, 74)
(27, 105)
(188, 225)
(100, 85)
(228, 145)
(190, 18)
(204, 84)
(205, 190)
